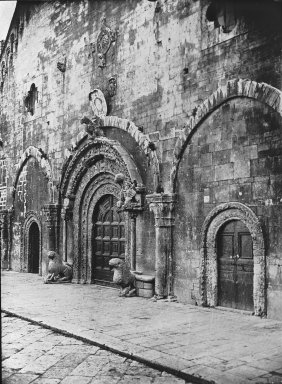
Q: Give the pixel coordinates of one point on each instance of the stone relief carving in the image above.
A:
(123, 277)
(131, 195)
(106, 39)
(92, 127)
(98, 103)
(59, 271)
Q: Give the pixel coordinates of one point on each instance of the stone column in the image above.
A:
(51, 212)
(163, 207)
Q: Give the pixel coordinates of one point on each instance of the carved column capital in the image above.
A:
(163, 207)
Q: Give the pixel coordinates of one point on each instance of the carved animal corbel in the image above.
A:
(92, 127)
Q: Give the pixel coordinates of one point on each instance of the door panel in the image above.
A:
(108, 239)
(235, 266)
(33, 248)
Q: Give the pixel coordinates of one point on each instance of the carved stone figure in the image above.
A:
(59, 271)
(98, 103)
(92, 127)
(127, 194)
(105, 39)
(123, 277)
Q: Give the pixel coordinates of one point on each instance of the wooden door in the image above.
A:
(108, 239)
(33, 249)
(235, 266)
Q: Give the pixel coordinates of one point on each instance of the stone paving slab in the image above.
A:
(72, 361)
(209, 344)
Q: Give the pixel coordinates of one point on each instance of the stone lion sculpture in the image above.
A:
(123, 277)
(59, 271)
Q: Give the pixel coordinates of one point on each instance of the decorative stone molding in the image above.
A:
(163, 207)
(41, 158)
(209, 275)
(105, 40)
(89, 175)
(92, 152)
(262, 92)
(30, 218)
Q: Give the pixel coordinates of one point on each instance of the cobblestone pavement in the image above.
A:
(203, 344)
(32, 354)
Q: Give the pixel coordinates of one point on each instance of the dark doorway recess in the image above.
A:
(235, 266)
(108, 239)
(33, 248)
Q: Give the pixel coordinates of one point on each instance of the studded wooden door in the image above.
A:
(108, 239)
(33, 248)
(235, 266)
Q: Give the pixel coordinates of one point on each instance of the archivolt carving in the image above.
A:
(142, 140)
(209, 276)
(234, 88)
(97, 151)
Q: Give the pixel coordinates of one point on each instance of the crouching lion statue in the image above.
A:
(59, 271)
(123, 277)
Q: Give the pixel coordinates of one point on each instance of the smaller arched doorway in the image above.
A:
(33, 248)
(235, 266)
(108, 238)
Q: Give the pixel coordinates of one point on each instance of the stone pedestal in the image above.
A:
(163, 207)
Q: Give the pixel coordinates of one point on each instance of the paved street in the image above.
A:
(32, 354)
(206, 344)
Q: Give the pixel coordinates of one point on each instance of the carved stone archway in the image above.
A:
(143, 141)
(89, 175)
(31, 218)
(262, 92)
(209, 274)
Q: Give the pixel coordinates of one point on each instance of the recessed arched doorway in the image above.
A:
(33, 248)
(235, 266)
(108, 238)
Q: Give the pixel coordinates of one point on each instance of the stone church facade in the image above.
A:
(149, 131)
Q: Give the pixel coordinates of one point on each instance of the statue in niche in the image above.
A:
(59, 271)
(123, 277)
(128, 194)
(105, 39)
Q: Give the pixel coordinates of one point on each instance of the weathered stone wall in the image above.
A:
(166, 59)
(234, 155)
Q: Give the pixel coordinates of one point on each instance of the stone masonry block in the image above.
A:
(224, 172)
(145, 293)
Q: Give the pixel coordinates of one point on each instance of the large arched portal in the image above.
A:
(33, 248)
(108, 238)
